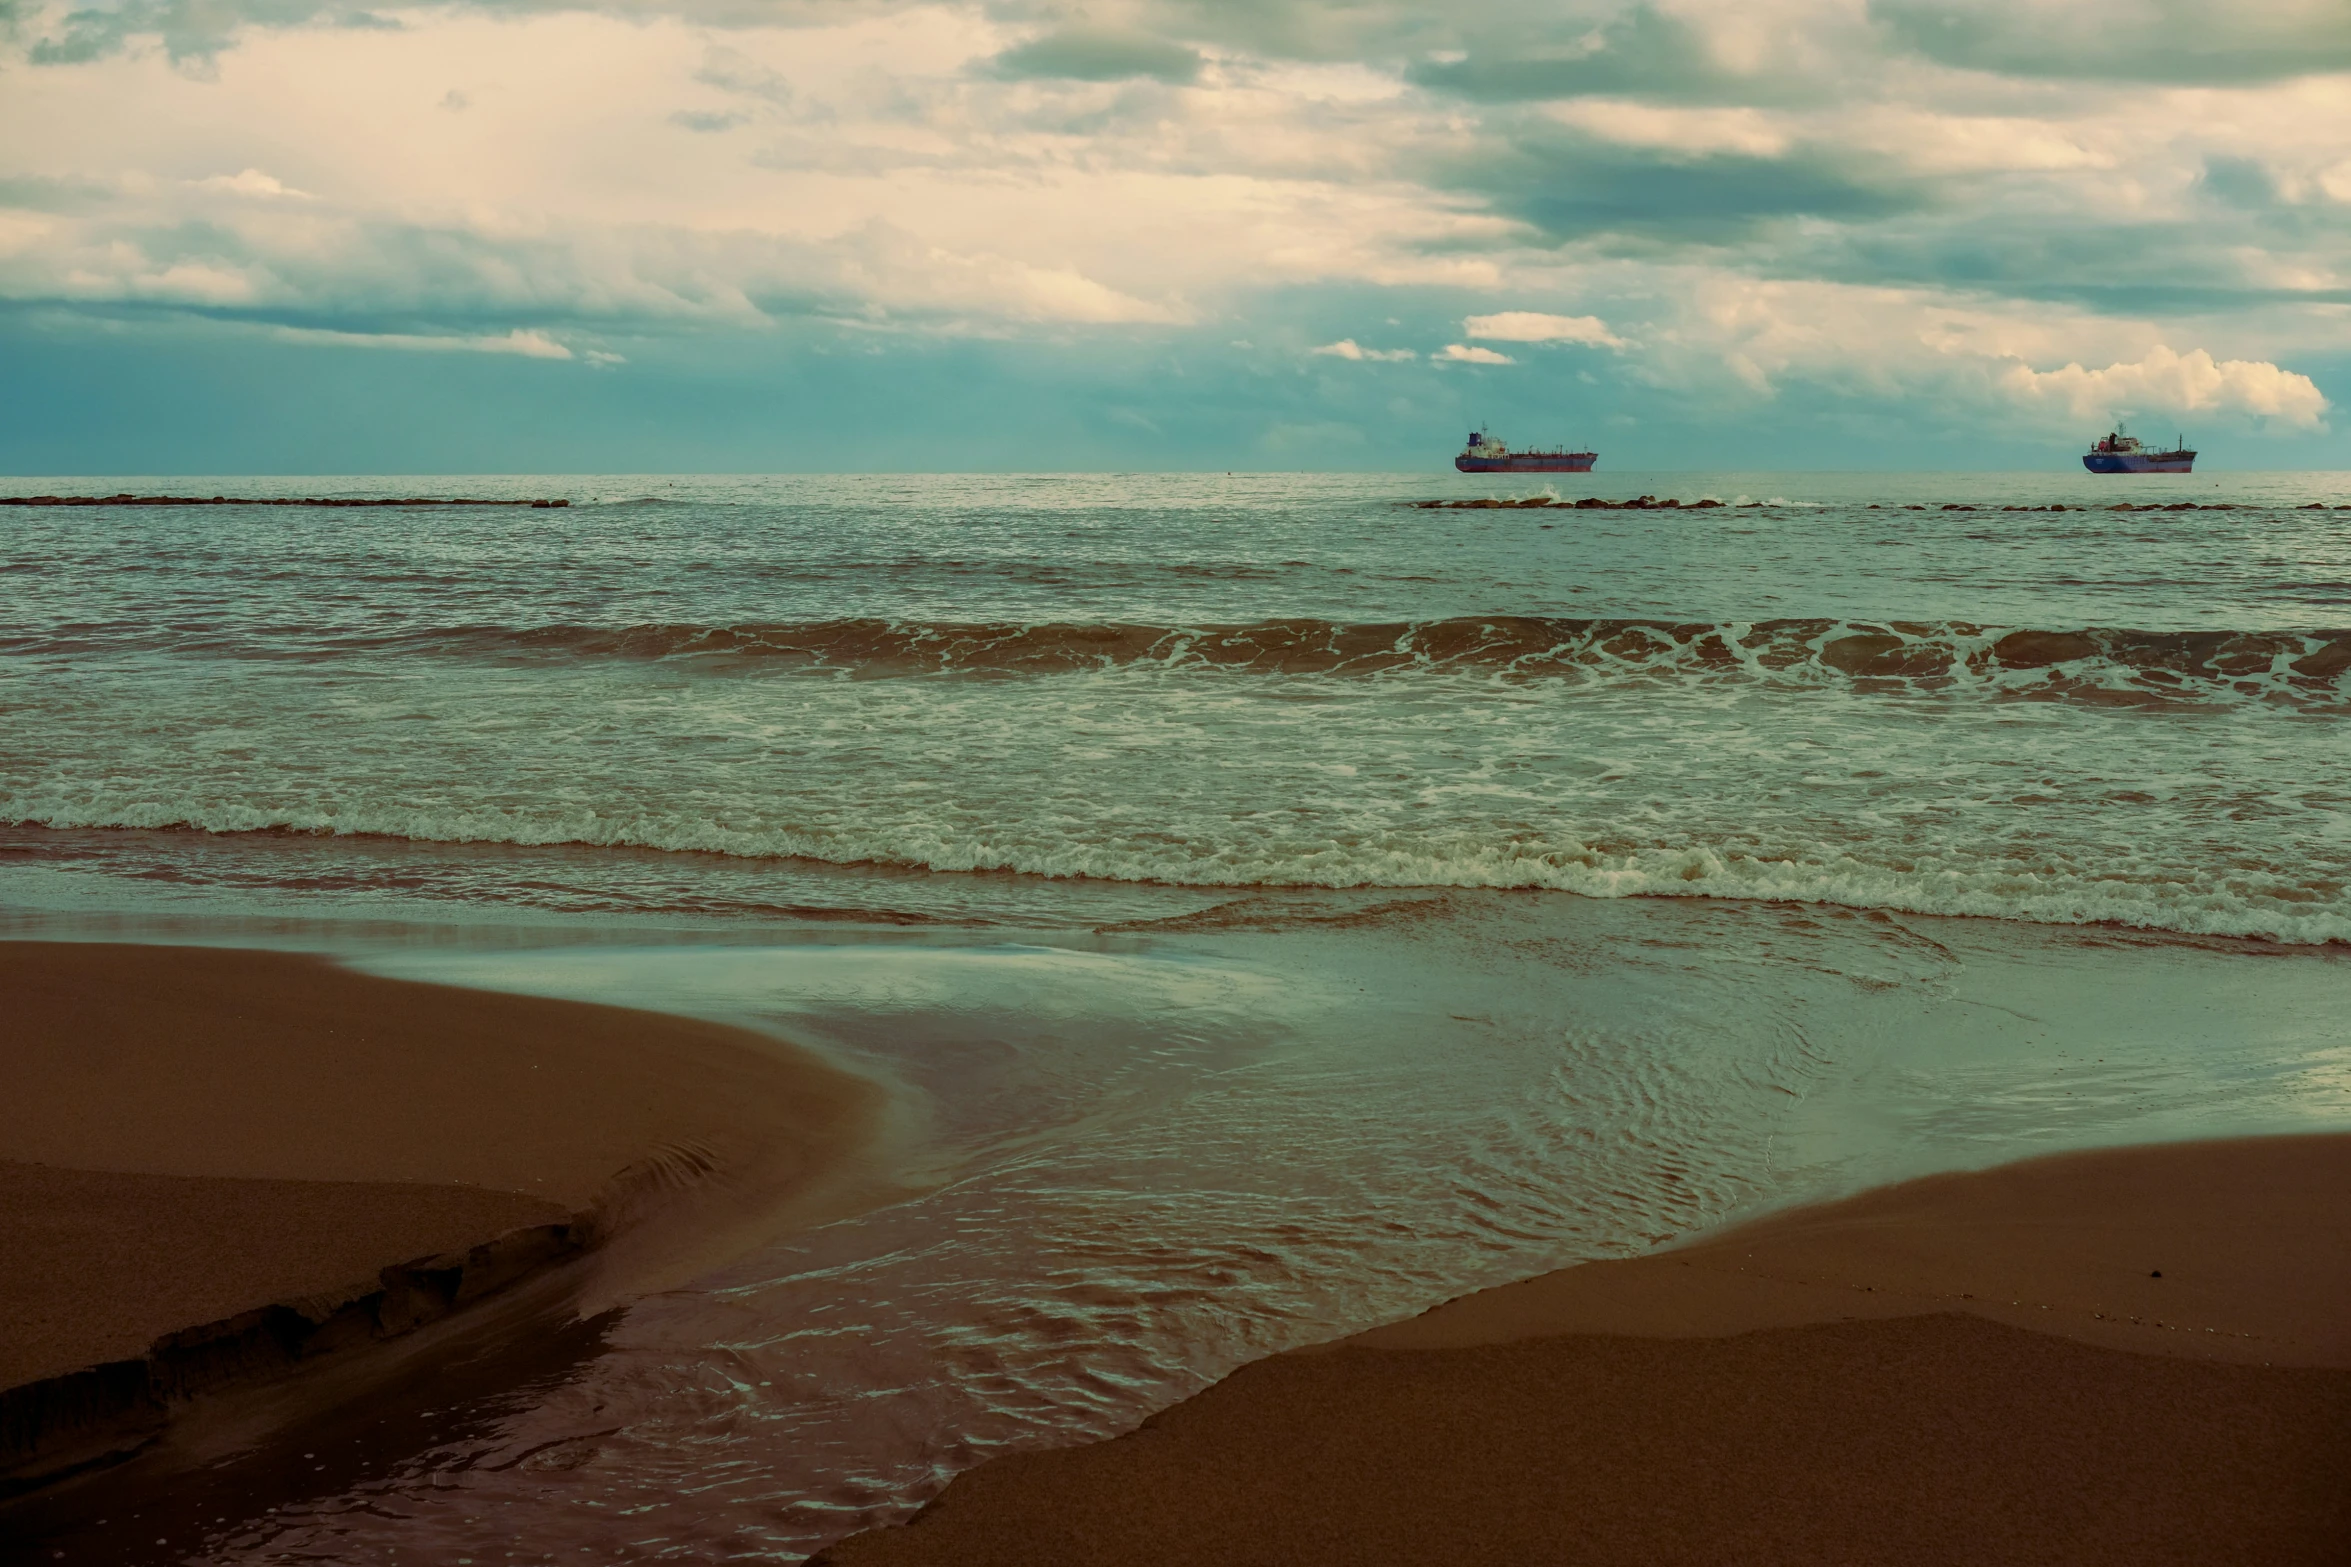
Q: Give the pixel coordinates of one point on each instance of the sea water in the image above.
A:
(1209, 682)
(1284, 906)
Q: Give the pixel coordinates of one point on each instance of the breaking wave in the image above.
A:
(2097, 664)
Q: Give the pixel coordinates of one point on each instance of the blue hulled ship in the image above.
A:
(2118, 452)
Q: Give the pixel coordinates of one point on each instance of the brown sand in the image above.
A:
(1852, 1383)
(198, 1131)
(2251, 1237)
(98, 1265)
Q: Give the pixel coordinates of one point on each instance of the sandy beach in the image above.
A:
(204, 1146)
(2137, 1355)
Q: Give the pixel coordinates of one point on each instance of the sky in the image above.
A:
(330, 236)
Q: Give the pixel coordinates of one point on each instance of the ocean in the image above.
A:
(1283, 906)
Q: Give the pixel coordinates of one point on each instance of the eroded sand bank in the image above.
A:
(215, 1162)
(2136, 1355)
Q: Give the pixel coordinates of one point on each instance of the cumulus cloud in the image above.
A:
(1092, 54)
(1573, 184)
(2127, 40)
(324, 266)
(1643, 50)
(1533, 326)
(1347, 348)
(1924, 200)
(251, 182)
(192, 33)
(2169, 382)
(1975, 358)
(731, 70)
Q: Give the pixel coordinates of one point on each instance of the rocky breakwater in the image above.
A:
(277, 500)
(2117, 506)
(1588, 503)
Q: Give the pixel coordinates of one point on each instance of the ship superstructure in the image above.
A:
(2120, 452)
(1486, 454)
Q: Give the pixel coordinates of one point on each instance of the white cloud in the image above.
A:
(1347, 348)
(121, 271)
(251, 182)
(527, 344)
(1532, 326)
(22, 230)
(875, 172)
(2169, 382)
(1972, 357)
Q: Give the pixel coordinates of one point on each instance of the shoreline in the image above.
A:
(1996, 1038)
(2126, 1355)
(222, 1166)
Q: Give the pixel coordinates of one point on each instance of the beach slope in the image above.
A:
(2138, 1355)
(215, 1163)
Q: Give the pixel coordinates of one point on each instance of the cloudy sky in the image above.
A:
(749, 235)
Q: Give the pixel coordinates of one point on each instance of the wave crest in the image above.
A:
(2094, 663)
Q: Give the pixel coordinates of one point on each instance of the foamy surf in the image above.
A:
(1955, 658)
(2131, 886)
(2069, 717)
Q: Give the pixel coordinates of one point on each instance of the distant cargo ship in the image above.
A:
(1484, 454)
(2120, 453)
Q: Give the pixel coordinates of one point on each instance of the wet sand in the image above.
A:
(187, 1134)
(2139, 1355)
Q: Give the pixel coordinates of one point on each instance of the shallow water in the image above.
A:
(1148, 1154)
(1231, 876)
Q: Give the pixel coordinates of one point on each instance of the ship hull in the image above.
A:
(1558, 462)
(2137, 462)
